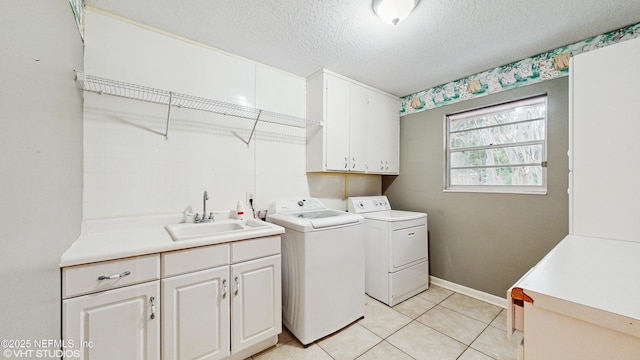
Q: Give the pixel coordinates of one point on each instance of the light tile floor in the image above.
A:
(435, 324)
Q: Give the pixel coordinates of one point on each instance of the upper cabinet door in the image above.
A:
(337, 123)
(383, 134)
(358, 112)
(604, 144)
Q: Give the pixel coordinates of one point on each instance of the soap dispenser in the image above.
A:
(240, 210)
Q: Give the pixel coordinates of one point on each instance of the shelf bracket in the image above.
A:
(166, 130)
(253, 130)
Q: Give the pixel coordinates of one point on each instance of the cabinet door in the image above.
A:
(358, 112)
(256, 305)
(337, 124)
(604, 144)
(383, 134)
(115, 324)
(195, 315)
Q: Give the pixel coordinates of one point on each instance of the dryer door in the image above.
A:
(409, 246)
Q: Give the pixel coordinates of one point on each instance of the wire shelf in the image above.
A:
(106, 86)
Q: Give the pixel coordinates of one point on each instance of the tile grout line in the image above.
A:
(483, 330)
(416, 320)
(364, 352)
(412, 319)
(402, 327)
(487, 325)
(388, 336)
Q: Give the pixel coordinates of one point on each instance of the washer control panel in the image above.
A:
(364, 204)
(290, 205)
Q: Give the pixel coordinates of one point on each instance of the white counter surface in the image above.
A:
(598, 273)
(119, 238)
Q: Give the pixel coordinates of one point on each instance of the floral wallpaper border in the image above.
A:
(546, 66)
(78, 11)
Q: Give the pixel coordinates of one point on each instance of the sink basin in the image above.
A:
(222, 230)
(195, 230)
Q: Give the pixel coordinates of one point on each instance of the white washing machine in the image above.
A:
(397, 257)
(322, 267)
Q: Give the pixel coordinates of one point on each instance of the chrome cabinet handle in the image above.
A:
(152, 300)
(354, 163)
(346, 162)
(225, 288)
(237, 286)
(114, 276)
(381, 165)
(386, 162)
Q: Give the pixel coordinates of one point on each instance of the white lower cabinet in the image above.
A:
(122, 323)
(218, 302)
(195, 315)
(256, 307)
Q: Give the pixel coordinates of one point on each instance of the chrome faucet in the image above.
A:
(204, 218)
(205, 197)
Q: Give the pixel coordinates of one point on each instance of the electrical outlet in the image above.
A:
(249, 198)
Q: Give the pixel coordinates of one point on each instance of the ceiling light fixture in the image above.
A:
(393, 11)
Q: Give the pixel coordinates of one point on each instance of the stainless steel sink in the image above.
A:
(223, 230)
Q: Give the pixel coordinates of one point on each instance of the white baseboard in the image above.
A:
(476, 294)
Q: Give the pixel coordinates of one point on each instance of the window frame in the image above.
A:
(496, 108)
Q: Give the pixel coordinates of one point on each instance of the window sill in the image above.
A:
(519, 191)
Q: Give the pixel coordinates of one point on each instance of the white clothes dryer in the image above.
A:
(322, 267)
(396, 249)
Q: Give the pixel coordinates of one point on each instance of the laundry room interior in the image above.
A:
(159, 150)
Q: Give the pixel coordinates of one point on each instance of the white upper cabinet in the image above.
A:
(383, 132)
(337, 124)
(361, 126)
(358, 113)
(604, 129)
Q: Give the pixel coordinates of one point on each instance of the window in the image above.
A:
(501, 148)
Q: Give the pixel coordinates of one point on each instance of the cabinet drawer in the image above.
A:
(190, 260)
(90, 278)
(253, 249)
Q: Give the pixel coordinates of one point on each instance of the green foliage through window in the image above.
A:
(500, 148)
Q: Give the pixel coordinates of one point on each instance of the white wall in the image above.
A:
(130, 169)
(40, 162)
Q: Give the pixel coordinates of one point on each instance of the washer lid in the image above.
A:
(314, 220)
(394, 215)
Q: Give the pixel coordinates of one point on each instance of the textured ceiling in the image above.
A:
(441, 41)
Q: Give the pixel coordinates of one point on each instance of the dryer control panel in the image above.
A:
(365, 204)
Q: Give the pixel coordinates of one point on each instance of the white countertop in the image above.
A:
(110, 239)
(599, 273)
